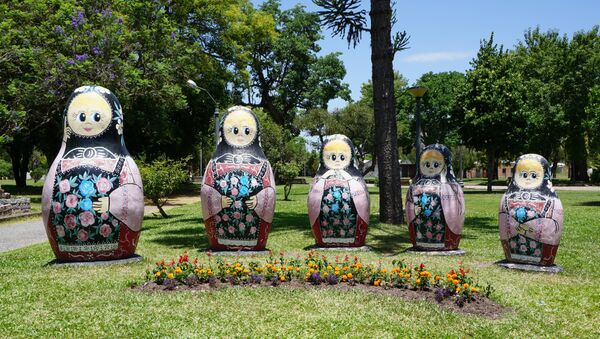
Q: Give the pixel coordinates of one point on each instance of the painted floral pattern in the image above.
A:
(73, 215)
(522, 245)
(238, 221)
(429, 223)
(338, 213)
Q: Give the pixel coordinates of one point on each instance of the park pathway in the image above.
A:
(30, 232)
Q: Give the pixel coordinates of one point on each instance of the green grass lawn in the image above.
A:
(39, 300)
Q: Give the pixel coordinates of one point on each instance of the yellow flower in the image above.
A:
(227, 271)
(157, 274)
(312, 270)
(325, 274)
(290, 268)
(474, 289)
(329, 267)
(418, 281)
(455, 282)
(349, 275)
(246, 271)
(384, 271)
(282, 277)
(465, 285)
(202, 271)
(170, 275)
(297, 269)
(457, 289)
(344, 277)
(437, 277)
(209, 272)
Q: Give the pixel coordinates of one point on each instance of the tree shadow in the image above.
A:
(588, 203)
(387, 239)
(479, 224)
(189, 237)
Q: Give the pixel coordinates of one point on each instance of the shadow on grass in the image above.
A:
(588, 203)
(28, 190)
(188, 237)
(469, 192)
(388, 239)
(480, 224)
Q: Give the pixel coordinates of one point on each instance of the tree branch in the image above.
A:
(344, 18)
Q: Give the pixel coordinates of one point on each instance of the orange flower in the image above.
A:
(465, 285)
(349, 275)
(418, 281)
(377, 282)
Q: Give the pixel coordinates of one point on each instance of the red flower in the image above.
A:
(105, 230)
(71, 200)
(82, 235)
(103, 185)
(70, 221)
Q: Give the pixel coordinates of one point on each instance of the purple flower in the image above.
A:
(81, 57)
(255, 279)
(332, 279)
(316, 278)
(172, 35)
(96, 51)
(106, 13)
(70, 62)
(59, 30)
(120, 21)
(77, 20)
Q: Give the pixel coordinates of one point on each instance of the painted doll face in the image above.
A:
(239, 128)
(431, 163)
(529, 174)
(89, 114)
(336, 154)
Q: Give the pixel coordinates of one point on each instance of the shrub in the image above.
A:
(287, 172)
(161, 178)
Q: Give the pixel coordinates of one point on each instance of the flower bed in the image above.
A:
(456, 287)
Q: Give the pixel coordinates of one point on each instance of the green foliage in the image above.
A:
(285, 69)
(38, 165)
(287, 172)
(161, 178)
(5, 169)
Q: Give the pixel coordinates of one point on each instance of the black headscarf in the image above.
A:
(111, 138)
(546, 186)
(447, 162)
(352, 168)
(254, 148)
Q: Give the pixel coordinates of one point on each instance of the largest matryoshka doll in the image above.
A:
(435, 205)
(92, 201)
(338, 200)
(238, 189)
(531, 214)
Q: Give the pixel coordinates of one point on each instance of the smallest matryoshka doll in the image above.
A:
(531, 214)
(435, 205)
(338, 200)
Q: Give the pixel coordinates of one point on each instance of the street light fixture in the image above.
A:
(418, 92)
(192, 83)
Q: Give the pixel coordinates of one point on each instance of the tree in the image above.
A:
(438, 121)
(143, 51)
(346, 19)
(285, 70)
(489, 111)
(161, 178)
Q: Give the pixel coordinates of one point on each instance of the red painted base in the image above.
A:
(359, 237)
(128, 240)
(547, 259)
(450, 243)
(213, 243)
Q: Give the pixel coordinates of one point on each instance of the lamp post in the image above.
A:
(193, 84)
(418, 92)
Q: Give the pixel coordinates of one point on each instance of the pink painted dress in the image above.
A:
(339, 202)
(92, 200)
(531, 219)
(435, 205)
(242, 177)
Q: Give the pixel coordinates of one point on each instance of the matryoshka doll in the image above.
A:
(338, 200)
(435, 205)
(238, 189)
(92, 201)
(531, 214)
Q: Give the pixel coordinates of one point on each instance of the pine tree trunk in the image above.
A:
(490, 168)
(382, 55)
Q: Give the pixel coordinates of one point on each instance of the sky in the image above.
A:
(445, 35)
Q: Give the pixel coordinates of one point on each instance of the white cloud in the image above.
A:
(437, 56)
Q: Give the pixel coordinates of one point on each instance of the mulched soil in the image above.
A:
(481, 305)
